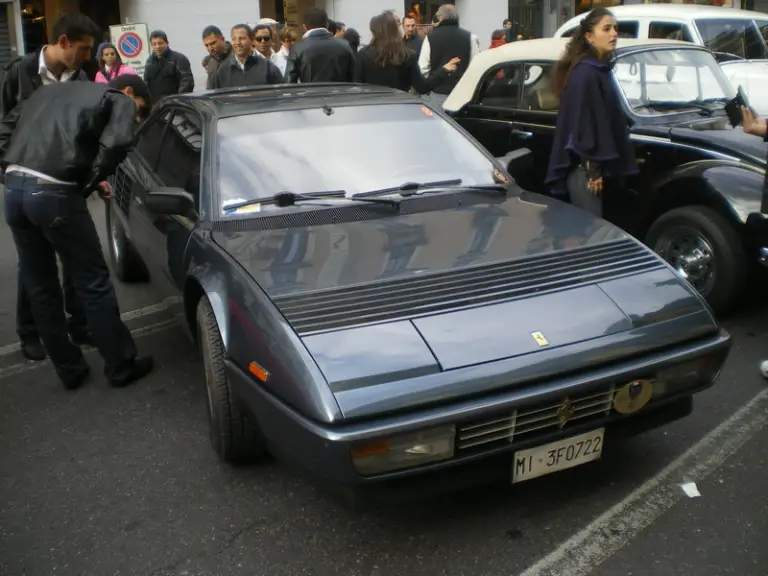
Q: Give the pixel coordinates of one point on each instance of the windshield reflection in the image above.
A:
(351, 148)
(692, 78)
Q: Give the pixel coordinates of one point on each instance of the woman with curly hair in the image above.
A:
(592, 152)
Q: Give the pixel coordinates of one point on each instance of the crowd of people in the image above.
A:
(398, 55)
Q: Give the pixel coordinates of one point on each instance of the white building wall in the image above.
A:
(357, 14)
(482, 17)
(184, 20)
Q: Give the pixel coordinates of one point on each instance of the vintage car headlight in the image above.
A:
(687, 375)
(404, 451)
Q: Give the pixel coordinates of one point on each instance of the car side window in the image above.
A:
(669, 31)
(628, 29)
(181, 154)
(501, 87)
(738, 37)
(537, 88)
(151, 138)
(568, 33)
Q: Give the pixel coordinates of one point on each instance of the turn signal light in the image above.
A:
(258, 372)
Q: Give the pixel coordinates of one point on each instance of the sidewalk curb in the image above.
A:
(155, 317)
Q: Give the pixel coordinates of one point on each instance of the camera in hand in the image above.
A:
(733, 108)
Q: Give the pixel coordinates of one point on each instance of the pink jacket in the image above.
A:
(124, 69)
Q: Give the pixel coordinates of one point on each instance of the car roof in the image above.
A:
(254, 99)
(678, 11)
(543, 49)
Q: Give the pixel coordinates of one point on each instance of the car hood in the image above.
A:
(308, 259)
(388, 308)
(715, 134)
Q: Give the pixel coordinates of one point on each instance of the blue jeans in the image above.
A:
(48, 219)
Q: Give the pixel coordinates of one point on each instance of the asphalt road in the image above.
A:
(123, 482)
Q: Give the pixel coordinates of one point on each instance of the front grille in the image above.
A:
(405, 298)
(529, 422)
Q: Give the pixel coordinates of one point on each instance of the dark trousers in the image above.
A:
(48, 219)
(25, 321)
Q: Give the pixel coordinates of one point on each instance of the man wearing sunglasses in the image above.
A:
(263, 41)
(244, 68)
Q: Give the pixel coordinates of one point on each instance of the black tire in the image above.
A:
(123, 258)
(728, 256)
(233, 431)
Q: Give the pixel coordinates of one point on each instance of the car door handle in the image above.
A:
(522, 133)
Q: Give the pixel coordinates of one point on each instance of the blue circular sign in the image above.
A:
(130, 45)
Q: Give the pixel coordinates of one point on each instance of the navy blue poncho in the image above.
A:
(591, 125)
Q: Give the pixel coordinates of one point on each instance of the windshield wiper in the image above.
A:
(671, 105)
(412, 188)
(287, 198)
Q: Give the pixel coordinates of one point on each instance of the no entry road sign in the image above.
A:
(132, 42)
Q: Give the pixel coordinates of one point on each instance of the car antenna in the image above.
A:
(327, 109)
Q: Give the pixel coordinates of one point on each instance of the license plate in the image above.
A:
(556, 456)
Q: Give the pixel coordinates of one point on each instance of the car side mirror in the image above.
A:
(170, 201)
(518, 162)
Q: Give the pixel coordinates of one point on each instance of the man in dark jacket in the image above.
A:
(411, 34)
(244, 68)
(320, 57)
(66, 140)
(446, 42)
(218, 51)
(59, 62)
(167, 71)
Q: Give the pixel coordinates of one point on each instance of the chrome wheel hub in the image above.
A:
(690, 253)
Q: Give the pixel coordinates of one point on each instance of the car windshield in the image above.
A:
(350, 148)
(671, 81)
(744, 38)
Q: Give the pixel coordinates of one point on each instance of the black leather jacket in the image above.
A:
(321, 58)
(73, 131)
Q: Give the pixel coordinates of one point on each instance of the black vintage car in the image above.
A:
(698, 200)
(372, 298)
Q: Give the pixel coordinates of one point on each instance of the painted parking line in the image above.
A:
(160, 308)
(29, 366)
(596, 543)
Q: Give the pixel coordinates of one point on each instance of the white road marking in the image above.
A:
(138, 333)
(587, 549)
(126, 317)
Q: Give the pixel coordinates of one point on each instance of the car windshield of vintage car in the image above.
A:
(346, 148)
(672, 81)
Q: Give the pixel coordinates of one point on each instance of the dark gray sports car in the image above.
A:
(373, 298)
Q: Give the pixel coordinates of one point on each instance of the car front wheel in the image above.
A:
(234, 434)
(126, 262)
(705, 249)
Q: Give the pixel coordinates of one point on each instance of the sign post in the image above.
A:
(132, 43)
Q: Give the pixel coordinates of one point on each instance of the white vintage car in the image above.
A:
(737, 37)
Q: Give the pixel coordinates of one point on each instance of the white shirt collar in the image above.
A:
(316, 32)
(46, 75)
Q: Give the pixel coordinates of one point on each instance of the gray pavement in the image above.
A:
(106, 482)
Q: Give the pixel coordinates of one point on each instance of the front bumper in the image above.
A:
(324, 450)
